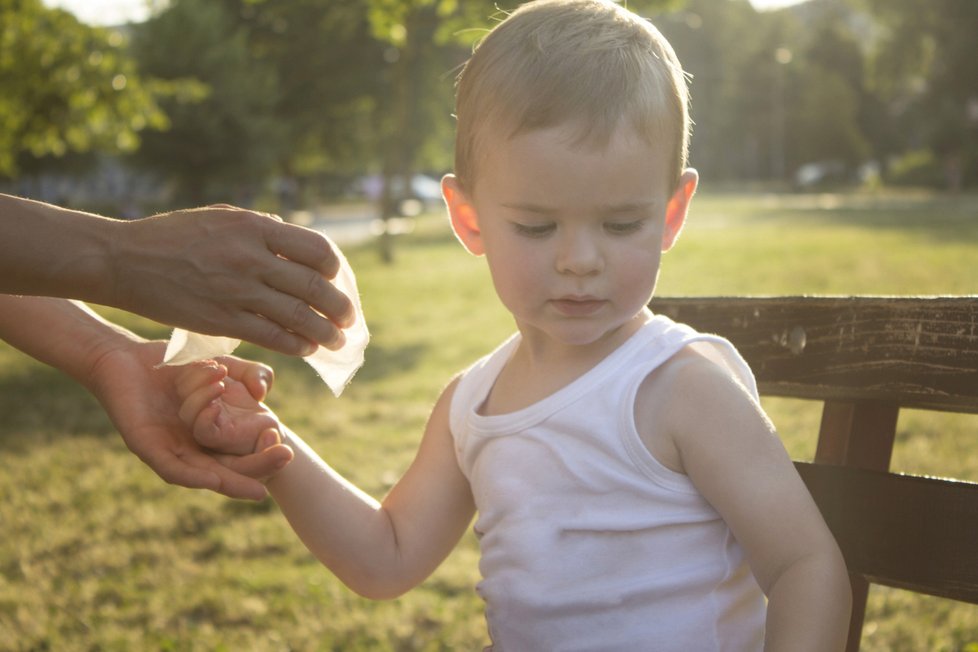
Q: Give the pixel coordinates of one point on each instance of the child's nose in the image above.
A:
(579, 254)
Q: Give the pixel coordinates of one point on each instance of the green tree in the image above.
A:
(66, 87)
(773, 90)
(739, 89)
(825, 121)
(328, 67)
(224, 135)
(833, 110)
(926, 67)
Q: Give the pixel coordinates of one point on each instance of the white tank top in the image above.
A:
(587, 541)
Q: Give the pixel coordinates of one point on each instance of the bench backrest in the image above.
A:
(915, 352)
(865, 358)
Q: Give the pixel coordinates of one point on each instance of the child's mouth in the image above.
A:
(578, 307)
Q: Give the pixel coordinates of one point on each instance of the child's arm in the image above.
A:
(734, 457)
(378, 549)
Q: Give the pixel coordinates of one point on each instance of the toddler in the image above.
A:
(630, 493)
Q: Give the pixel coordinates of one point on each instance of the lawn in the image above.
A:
(99, 554)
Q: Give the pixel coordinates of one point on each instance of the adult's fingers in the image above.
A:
(235, 485)
(304, 246)
(284, 311)
(260, 464)
(267, 333)
(177, 471)
(267, 439)
(310, 288)
(198, 470)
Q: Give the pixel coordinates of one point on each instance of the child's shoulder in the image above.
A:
(695, 371)
(684, 397)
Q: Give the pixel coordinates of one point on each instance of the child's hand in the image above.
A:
(221, 412)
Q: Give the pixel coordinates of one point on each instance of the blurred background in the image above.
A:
(128, 107)
(837, 141)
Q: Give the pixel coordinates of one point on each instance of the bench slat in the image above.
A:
(907, 532)
(916, 352)
(866, 358)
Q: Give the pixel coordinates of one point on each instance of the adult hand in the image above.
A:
(221, 270)
(217, 270)
(141, 399)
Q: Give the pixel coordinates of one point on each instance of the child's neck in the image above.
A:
(541, 366)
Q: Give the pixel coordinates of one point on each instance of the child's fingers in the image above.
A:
(257, 377)
(207, 427)
(199, 400)
(194, 375)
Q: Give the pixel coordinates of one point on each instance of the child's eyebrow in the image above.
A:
(528, 207)
(604, 209)
(628, 207)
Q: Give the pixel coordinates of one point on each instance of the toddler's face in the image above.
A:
(573, 233)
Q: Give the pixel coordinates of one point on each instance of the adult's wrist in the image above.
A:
(67, 335)
(99, 340)
(48, 250)
(93, 265)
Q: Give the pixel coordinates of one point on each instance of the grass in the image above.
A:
(98, 554)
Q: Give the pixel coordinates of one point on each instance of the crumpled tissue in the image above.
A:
(336, 368)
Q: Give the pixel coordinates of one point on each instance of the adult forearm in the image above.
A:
(64, 334)
(809, 607)
(52, 251)
(347, 530)
(219, 270)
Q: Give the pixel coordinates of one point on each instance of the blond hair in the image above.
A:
(590, 63)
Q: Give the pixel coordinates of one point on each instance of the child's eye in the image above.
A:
(624, 228)
(534, 230)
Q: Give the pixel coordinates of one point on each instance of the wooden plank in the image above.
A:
(861, 435)
(902, 531)
(918, 352)
(858, 434)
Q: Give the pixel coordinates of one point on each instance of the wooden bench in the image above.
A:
(865, 358)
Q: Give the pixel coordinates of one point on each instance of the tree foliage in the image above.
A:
(925, 66)
(224, 133)
(771, 91)
(223, 95)
(66, 87)
(327, 67)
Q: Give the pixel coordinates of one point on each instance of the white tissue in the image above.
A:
(337, 368)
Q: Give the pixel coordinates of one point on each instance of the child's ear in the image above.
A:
(465, 221)
(678, 206)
